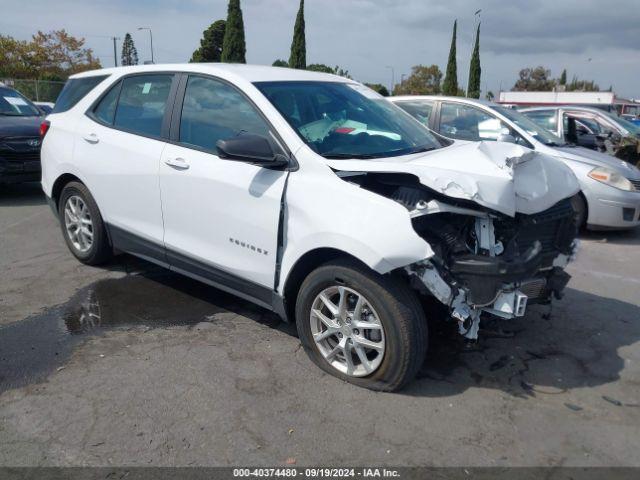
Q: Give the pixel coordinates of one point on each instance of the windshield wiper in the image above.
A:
(342, 156)
(421, 150)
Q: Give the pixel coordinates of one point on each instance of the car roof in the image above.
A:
(250, 73)
(557, 107)
(468, 101)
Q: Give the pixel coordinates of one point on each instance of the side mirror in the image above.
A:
(507, 138)
(249, 148)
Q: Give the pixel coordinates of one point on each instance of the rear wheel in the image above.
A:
(82, 225)
(360, 326)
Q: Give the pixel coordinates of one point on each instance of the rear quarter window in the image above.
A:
(75, 90)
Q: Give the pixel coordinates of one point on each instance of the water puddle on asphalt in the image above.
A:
(33, 348)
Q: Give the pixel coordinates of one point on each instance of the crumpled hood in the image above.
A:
(501, 176)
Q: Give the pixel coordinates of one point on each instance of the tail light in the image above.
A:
(44, 128)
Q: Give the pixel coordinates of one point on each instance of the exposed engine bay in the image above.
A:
(484, 260)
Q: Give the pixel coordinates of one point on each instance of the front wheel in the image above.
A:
(580, 210)
(360, 326)
(82, 225)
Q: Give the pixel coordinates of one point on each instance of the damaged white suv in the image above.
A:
(312, 196)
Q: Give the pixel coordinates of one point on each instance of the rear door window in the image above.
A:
(421, 111)
(75, 90)
(464, 122)
(142, 104)
(106, 109)
(547, 119)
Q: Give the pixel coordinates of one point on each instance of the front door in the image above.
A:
(221, 216)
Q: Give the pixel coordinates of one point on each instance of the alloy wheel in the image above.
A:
(78, 223)
(347, 331)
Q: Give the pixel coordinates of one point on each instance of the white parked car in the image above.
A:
(609, 195)
(312, 196)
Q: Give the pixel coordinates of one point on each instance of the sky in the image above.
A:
(375, 40)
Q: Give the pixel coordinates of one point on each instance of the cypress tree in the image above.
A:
(450, 85)
(129, 53)
(475, 70)
(563, 77)
(298, 58)
(211, 44)
(233, 46)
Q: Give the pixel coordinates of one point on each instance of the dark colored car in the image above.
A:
(19, 138)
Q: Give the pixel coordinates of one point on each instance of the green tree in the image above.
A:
(129, 54)
(450, 85)
(582, 86)
(475, 71)
(563, 77)
(53, 56)
(298, 57)
(210, 49)
(280, 63)
(321, 67)
(536, 79)
(234, 49)
(378, 87)
(422, 81)
(490, 96)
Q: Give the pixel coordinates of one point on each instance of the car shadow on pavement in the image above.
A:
(615, 237)
(22, 195)
(576, 346)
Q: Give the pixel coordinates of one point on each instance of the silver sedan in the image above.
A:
(610, 188)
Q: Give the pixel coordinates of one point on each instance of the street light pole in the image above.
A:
(393, 78)
(151, 40)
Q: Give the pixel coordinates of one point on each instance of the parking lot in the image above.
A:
(130, 365)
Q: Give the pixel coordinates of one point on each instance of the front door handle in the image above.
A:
(91, 138)
(179, 163)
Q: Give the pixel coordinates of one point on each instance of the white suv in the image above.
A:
(312, 196)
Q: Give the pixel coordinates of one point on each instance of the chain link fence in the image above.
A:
(36, 90)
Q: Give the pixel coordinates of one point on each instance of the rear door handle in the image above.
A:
(91, 138)
(179, 163)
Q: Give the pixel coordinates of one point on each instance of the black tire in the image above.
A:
(401, 315)
(580, 208)
(100, 250)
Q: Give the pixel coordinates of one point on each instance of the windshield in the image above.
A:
(536, 131)
(626, 124)
(12, 104)
(347, 120)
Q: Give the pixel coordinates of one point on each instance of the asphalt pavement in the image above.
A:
(128, 364)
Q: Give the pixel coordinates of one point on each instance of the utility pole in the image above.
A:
(115, 51)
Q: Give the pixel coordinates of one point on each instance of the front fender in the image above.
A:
(324, 211)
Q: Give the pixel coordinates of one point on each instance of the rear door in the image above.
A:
(119, 145)
(221, 216)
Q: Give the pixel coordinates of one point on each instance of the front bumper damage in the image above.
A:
(473, 284)
(498, 222)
